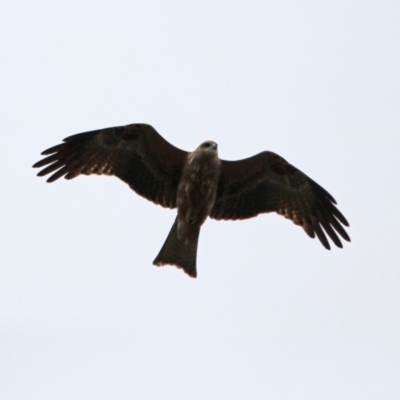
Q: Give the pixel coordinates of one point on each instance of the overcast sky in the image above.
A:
(272, 314)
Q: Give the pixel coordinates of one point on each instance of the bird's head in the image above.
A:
(208, 146)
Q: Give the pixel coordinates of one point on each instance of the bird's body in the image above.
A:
(195, 198)
(198, 184)
(197, 188)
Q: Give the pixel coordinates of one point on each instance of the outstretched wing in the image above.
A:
(265, 183)
(135, 153)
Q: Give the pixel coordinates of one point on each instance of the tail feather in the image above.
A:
(176, 252)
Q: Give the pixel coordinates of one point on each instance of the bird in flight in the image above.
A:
(199, 184)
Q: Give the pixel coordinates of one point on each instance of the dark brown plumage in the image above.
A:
(199, 184)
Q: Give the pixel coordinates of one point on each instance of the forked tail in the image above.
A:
(176, 252)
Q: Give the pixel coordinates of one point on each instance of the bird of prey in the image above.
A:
(199, 184)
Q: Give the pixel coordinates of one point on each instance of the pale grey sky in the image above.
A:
(272, 315)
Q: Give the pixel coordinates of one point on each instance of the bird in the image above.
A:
(198, 184)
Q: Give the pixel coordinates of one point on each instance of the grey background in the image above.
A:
(272, 315)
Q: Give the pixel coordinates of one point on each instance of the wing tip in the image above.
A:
(51, 179)
(326, 245)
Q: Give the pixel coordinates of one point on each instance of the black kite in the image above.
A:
(199, 184)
